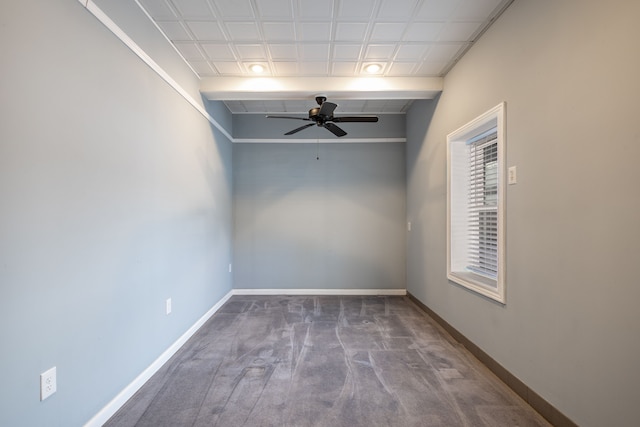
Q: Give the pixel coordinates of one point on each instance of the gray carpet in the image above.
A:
(323, 361)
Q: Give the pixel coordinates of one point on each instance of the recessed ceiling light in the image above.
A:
(373, 68)
(257, 68)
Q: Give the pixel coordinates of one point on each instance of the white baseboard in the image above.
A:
(398, 292)
(117, 402)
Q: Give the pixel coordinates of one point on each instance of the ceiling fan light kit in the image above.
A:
(322, 116)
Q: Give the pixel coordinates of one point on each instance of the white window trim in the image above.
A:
(456, 233)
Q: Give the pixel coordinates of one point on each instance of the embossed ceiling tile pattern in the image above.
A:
(357, 10)
(423, 31)
(314, 31)
(346, 52)
(314, 68)
(193, 8)
(252, 52)
(206, 30)
(158, 9)
(351, 31)
(243, 31)
(458, 31)
(399, 69)
(280, 52)
(190, 51)
(174, 30)
(388, 31)
(444, 52)
(379, 52)
(300, 38)
(475, 10)
(234, 9)
(415, 52)
(202, 68)
(345, 69)
(218, 52)
(286, 69)
(313, 10)
(279, 31)
(318, 51)
(432, 68)
(437, 10)
(228, 68)
(397, 9)
(279, 9)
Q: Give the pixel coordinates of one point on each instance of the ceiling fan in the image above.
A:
(323, 116)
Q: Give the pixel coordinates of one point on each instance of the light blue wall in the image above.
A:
(115, 194)
(568, 71)
(303, 223)
(221, 114)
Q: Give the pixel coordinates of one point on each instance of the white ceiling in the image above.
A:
(325, 39)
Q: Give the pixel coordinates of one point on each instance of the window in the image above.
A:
(475, 205)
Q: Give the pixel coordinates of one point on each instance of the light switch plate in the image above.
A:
(513, 177)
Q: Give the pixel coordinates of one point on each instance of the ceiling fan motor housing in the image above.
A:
(314, 114)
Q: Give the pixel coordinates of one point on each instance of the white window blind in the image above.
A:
(483, 204)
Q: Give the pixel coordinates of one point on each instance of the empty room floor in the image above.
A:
(323, 361)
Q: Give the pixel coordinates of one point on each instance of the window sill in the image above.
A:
(482, 285)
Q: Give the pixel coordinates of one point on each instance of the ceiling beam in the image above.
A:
(303, 88)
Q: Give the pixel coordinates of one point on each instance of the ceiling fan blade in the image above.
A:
(334, 129)
(363, 119)
(291, 132)
(327, 108)
(288, 117)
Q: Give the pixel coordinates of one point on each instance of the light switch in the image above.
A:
(513, 178)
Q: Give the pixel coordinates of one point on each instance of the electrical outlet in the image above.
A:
(229, 267)
(48, 383)
(168, 306)
(408, 225)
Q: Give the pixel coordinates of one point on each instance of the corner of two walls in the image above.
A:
(316, 213)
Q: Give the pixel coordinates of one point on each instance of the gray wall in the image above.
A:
(568, 71)
(336, 222)
(115, 195)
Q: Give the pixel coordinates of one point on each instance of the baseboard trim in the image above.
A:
(387, 292)
(544, 408)
(117, 402)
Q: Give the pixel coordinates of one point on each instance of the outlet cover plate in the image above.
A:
(48, 383)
